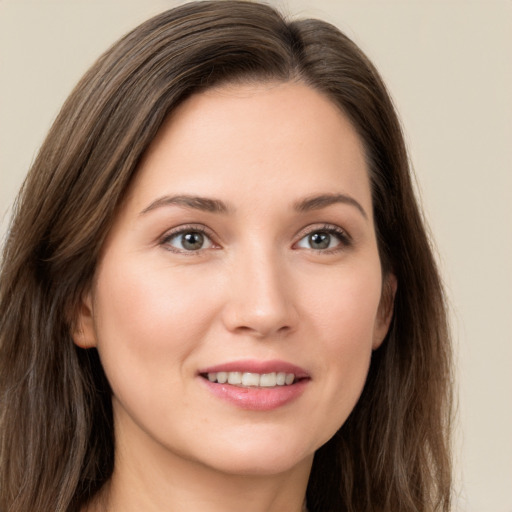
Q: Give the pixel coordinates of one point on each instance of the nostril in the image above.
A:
(263, 331)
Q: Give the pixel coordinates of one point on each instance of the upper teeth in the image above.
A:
(267, 380)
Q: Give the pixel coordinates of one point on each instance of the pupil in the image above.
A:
(320, 240)
(193, 241)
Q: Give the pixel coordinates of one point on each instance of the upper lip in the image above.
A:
(257, 366)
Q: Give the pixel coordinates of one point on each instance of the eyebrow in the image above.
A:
(204, 204)
(324, 200)
(210, 205)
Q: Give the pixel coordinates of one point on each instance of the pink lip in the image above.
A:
(253, 366)
(257, 399)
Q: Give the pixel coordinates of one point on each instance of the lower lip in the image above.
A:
(257, 399)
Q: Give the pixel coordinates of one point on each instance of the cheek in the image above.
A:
(149, 319)
(148, 304)
(344, 318)
(146, 322)
(344, 306)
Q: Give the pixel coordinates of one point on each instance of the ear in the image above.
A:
(82, 330)
(385, 312)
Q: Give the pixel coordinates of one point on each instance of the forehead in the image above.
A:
(254, 140)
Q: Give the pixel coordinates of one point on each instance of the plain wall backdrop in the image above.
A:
(448, 65)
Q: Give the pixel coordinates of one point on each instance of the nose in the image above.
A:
(261, 301)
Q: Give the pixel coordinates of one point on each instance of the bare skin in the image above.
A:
(247, 239)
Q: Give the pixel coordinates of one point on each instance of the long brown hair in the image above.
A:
(56, 426)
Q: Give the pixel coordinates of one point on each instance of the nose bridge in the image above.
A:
(261, 295)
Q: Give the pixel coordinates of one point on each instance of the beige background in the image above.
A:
(449, 67)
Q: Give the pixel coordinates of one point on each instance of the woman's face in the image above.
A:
(245, 251)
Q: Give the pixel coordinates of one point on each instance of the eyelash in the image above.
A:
(343, 237)
(182, 230)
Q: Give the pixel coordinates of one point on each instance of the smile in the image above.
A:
(256, 385)
(248, 379)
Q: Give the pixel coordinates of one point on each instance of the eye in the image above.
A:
(188, 240)
(324, 239)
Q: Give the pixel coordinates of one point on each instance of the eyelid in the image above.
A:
(343, 236)
(186, 228)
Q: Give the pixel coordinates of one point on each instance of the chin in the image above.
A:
(267, 465)
(258, 457)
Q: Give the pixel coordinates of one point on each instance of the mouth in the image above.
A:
(252, 380)
(256, 385)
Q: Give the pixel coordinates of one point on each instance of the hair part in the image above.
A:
(392, 454)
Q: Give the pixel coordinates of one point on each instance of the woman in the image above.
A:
(217, 290)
